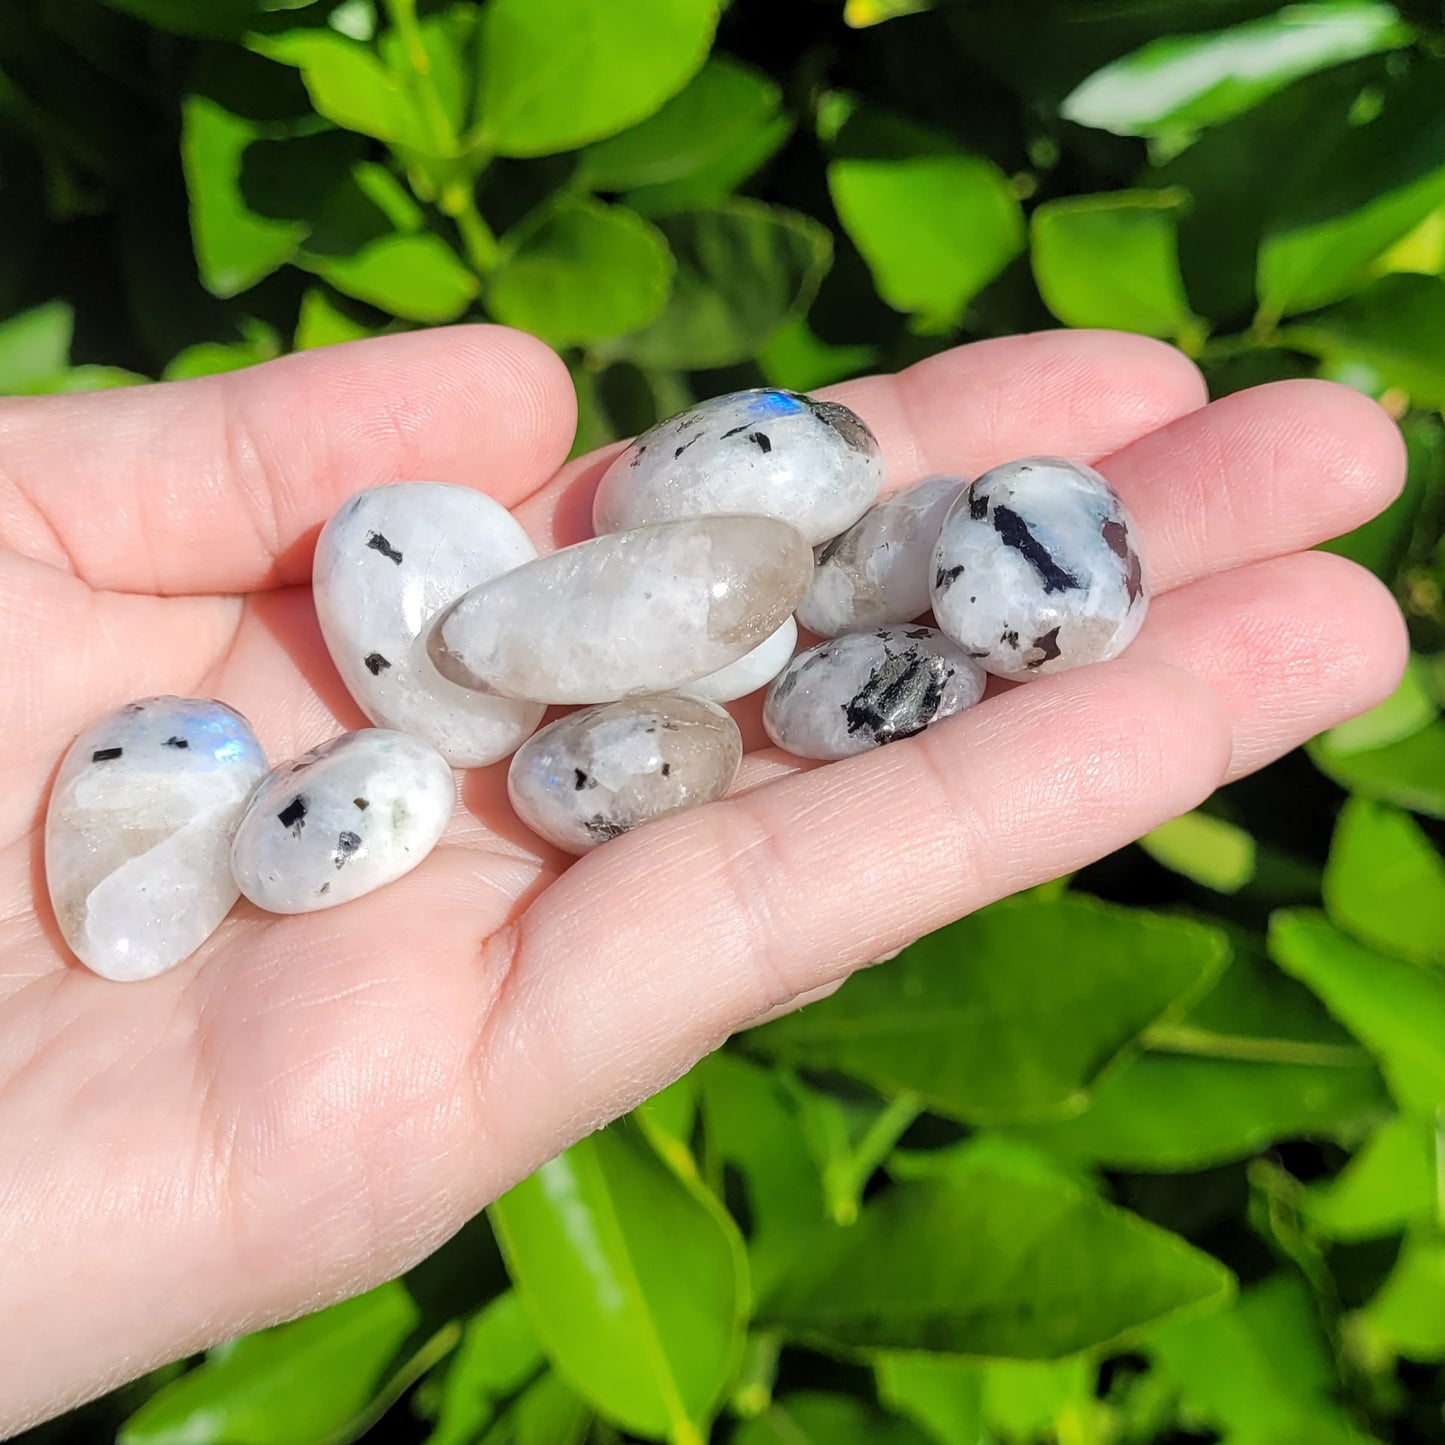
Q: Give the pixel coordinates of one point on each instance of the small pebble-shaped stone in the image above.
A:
(138, 835)
(749, 673)
(597, 773)
(386, 563)
(639, 611)
(876, 572)
(864, 689)
(342, 821)
(1037, 569)
(774, 453)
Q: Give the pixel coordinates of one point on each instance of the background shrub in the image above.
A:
(1150, 1154)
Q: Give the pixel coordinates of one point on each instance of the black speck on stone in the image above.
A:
(346, 844)
(901, 697)
(106, 755)
(581, 780)
(637, 452)
(1116, 535)
(762, 441)
(680, 450)
(362, 803)
(378, 543)
(736, 431)
(177, 743)
(293, 815)
(977, 506)
(325, 888)
(947, 576)
(376, 664)
(1009, 639)
(1014, 532)
(918, 633)
(667, 770)
(846, 422)
(601, 829)
(1047, 648)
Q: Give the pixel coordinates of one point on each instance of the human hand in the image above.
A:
(312, 1103)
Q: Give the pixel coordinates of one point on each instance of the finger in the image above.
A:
(1082, 394)
(218, 485)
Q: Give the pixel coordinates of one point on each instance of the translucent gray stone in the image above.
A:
(775, 453)
(342, 821)
(750, 672)
(877, 571)
(640, 611)
(600, 772)
(1037, 569)
(864, 689)
(138, 833)
(386, 563)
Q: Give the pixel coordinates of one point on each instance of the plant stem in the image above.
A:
(402, 14)
(845, 1180)
(1181, 1039)
(460, 203)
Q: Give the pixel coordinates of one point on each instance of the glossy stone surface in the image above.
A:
(386, 563)
(639, 611)
(600, 772)
(1037, 569)
(138, 834)
(877, 572)
(775, 453)
(750, 672)
(342, 821)
(865, 689)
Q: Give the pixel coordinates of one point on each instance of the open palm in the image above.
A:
(311, 1103)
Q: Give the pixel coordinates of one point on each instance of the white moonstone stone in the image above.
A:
(750, 672)
(774, 453)
(342, 820)
(865, 689)
(1037, 570)
(639, 611)
(138, 834)
(386, 563)
(604, 770)
(877, 572)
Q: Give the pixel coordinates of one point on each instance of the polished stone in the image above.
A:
(138, 833)
(774, 453)
(341, 821)
(751, 672)
(600, 772)
(1037, 569)
(876, 573)
(865, 689)
(633, 612)
(386, 563)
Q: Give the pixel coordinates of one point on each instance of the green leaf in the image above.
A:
(813, 1418)
(1395, 1009)
(1405, 712)
(1385, 882)
(1408, 1313)
(211, 358)
(221, 18)
(498, 1355)
(1392, 1180)
(297, 1384)
(1211, 851)
(1010, 1014)
(944, 1396)
(579, 272)
(35, 347)
(798, 360)
(744, 271)
(934, 223)
(323, 323)
(548, 1413)
(634, 1280)
(418, 278)
(556, 74)
(1409, 773)
(1113, 261)
(1004, 1257)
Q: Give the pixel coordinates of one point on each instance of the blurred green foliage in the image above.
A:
(1150, 1155)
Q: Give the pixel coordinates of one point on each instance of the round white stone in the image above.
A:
(813, 464)
(342, 821)
(635, 612)
(138, 833)
(749, 673)
(865, 689)
(1037, 570)
(877, 572)
(386, 563)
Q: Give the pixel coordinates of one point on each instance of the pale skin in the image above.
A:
(311, 1104)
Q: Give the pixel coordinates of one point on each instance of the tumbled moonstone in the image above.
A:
(877, 571)
(864, 689)
(138, 834)
(1037, 570)
(750, 672)
(386, 563)
(638, 611)
(604, 770)
(775, 453)
(342, 820)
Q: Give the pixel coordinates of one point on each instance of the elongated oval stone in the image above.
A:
(865, 689)
(386, 563)
(1037, 570)
(342, 821)
(775, 453)
(876, 573)
(750, 672)
(639, 611)
(597, 773)
(138, 833)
